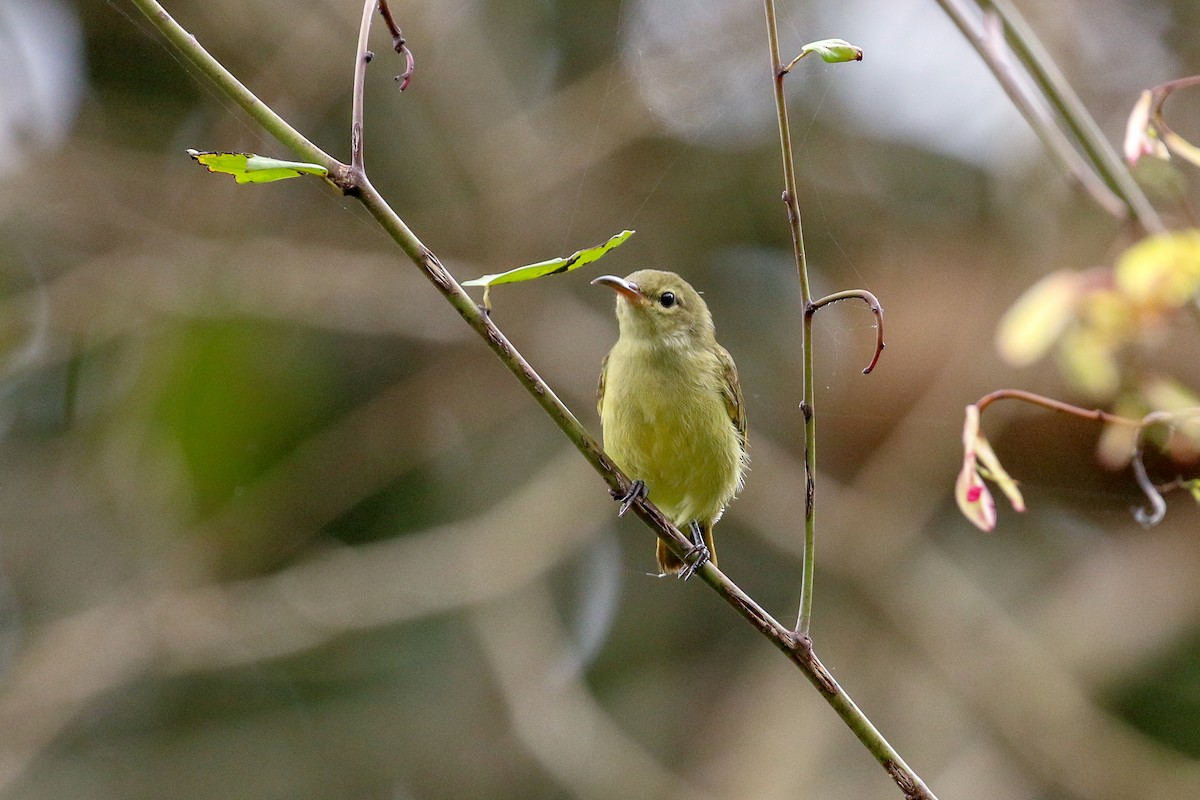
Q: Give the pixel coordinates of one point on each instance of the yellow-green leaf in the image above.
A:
(989, 467)
(1161, 272)
(831, 51)
(1089, 362)
(541, 269)
(1115, 447)
(1039, 317)
(251, 168)
(834, 51)
(1165, 394)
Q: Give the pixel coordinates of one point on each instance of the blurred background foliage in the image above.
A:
(275, 524)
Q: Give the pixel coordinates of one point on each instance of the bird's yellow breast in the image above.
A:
(666, 422)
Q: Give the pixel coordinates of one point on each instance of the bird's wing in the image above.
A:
(731, 389)
(600, 388)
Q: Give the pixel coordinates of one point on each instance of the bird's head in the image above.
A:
(659, 305)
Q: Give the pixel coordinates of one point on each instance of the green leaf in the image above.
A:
(249, 168)
(834, 51)
(831, 51)
(541, 269)
(1039, 317)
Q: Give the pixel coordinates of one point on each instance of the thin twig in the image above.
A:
(399, 45)
(872, 303)
(807, 405)
(362, 57)
(1055, 405)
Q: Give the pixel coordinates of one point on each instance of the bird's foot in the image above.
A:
(695, 558)
(637, 491)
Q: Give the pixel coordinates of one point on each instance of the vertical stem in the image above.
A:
(791, 199)
(804, 617)
(359, 91)
(785, 143)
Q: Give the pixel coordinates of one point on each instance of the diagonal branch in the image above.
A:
(1054, 85)
(1102, 174)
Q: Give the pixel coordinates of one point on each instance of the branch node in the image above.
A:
(911, 790)
(802, 647)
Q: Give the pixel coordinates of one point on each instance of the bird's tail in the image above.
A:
(669, 563)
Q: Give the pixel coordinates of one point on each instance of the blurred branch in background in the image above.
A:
(569, 734)
(75, 660)
(1002, 26)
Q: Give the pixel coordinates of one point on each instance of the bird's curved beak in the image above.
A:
(629, 291)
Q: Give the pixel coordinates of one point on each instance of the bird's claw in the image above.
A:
(637, 491)
(695, 558)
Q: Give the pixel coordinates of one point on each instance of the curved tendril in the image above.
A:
(872, 303)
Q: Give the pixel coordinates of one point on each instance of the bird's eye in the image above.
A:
(667, 299)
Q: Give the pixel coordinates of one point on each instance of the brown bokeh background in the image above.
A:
(275, 524)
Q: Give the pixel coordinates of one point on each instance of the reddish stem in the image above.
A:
(872, 303)
(399, 45)
(1055, 405)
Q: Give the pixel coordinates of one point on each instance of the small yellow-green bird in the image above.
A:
(671, 408)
